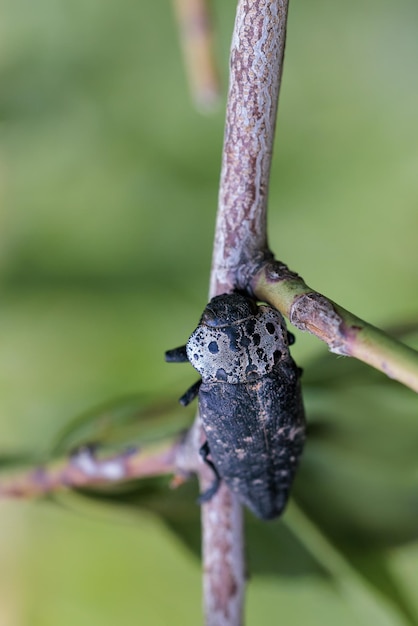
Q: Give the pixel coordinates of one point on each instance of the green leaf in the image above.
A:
(359, 474)
(128, 421)
(375, 602)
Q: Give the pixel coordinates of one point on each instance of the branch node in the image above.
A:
(314, 313)
(277, 271)
(250, 267)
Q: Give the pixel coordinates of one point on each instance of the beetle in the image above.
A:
(250, 400)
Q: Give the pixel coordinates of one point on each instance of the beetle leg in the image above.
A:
(209, 493)
(191, 393)
(290, 338)
(177, 355)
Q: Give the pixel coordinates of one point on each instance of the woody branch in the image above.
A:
(240, 238)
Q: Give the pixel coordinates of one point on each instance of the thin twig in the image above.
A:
(196, 38)
(345, 333)
(255, 71)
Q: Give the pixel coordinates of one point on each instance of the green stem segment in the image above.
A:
(344, 333)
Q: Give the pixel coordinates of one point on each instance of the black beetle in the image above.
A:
(250, 400)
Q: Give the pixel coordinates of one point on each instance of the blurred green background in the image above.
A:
(108, 192)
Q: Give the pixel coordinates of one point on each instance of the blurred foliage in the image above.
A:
(131, 421)
(108, 189)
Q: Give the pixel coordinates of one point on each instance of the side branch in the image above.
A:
(85, 469)
(344, 333)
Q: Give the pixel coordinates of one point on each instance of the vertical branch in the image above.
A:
(255, 71)
(255, 74)
(223, 560)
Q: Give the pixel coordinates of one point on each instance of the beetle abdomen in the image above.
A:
(256, 432)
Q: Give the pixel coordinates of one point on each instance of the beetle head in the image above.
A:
(228, 309)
